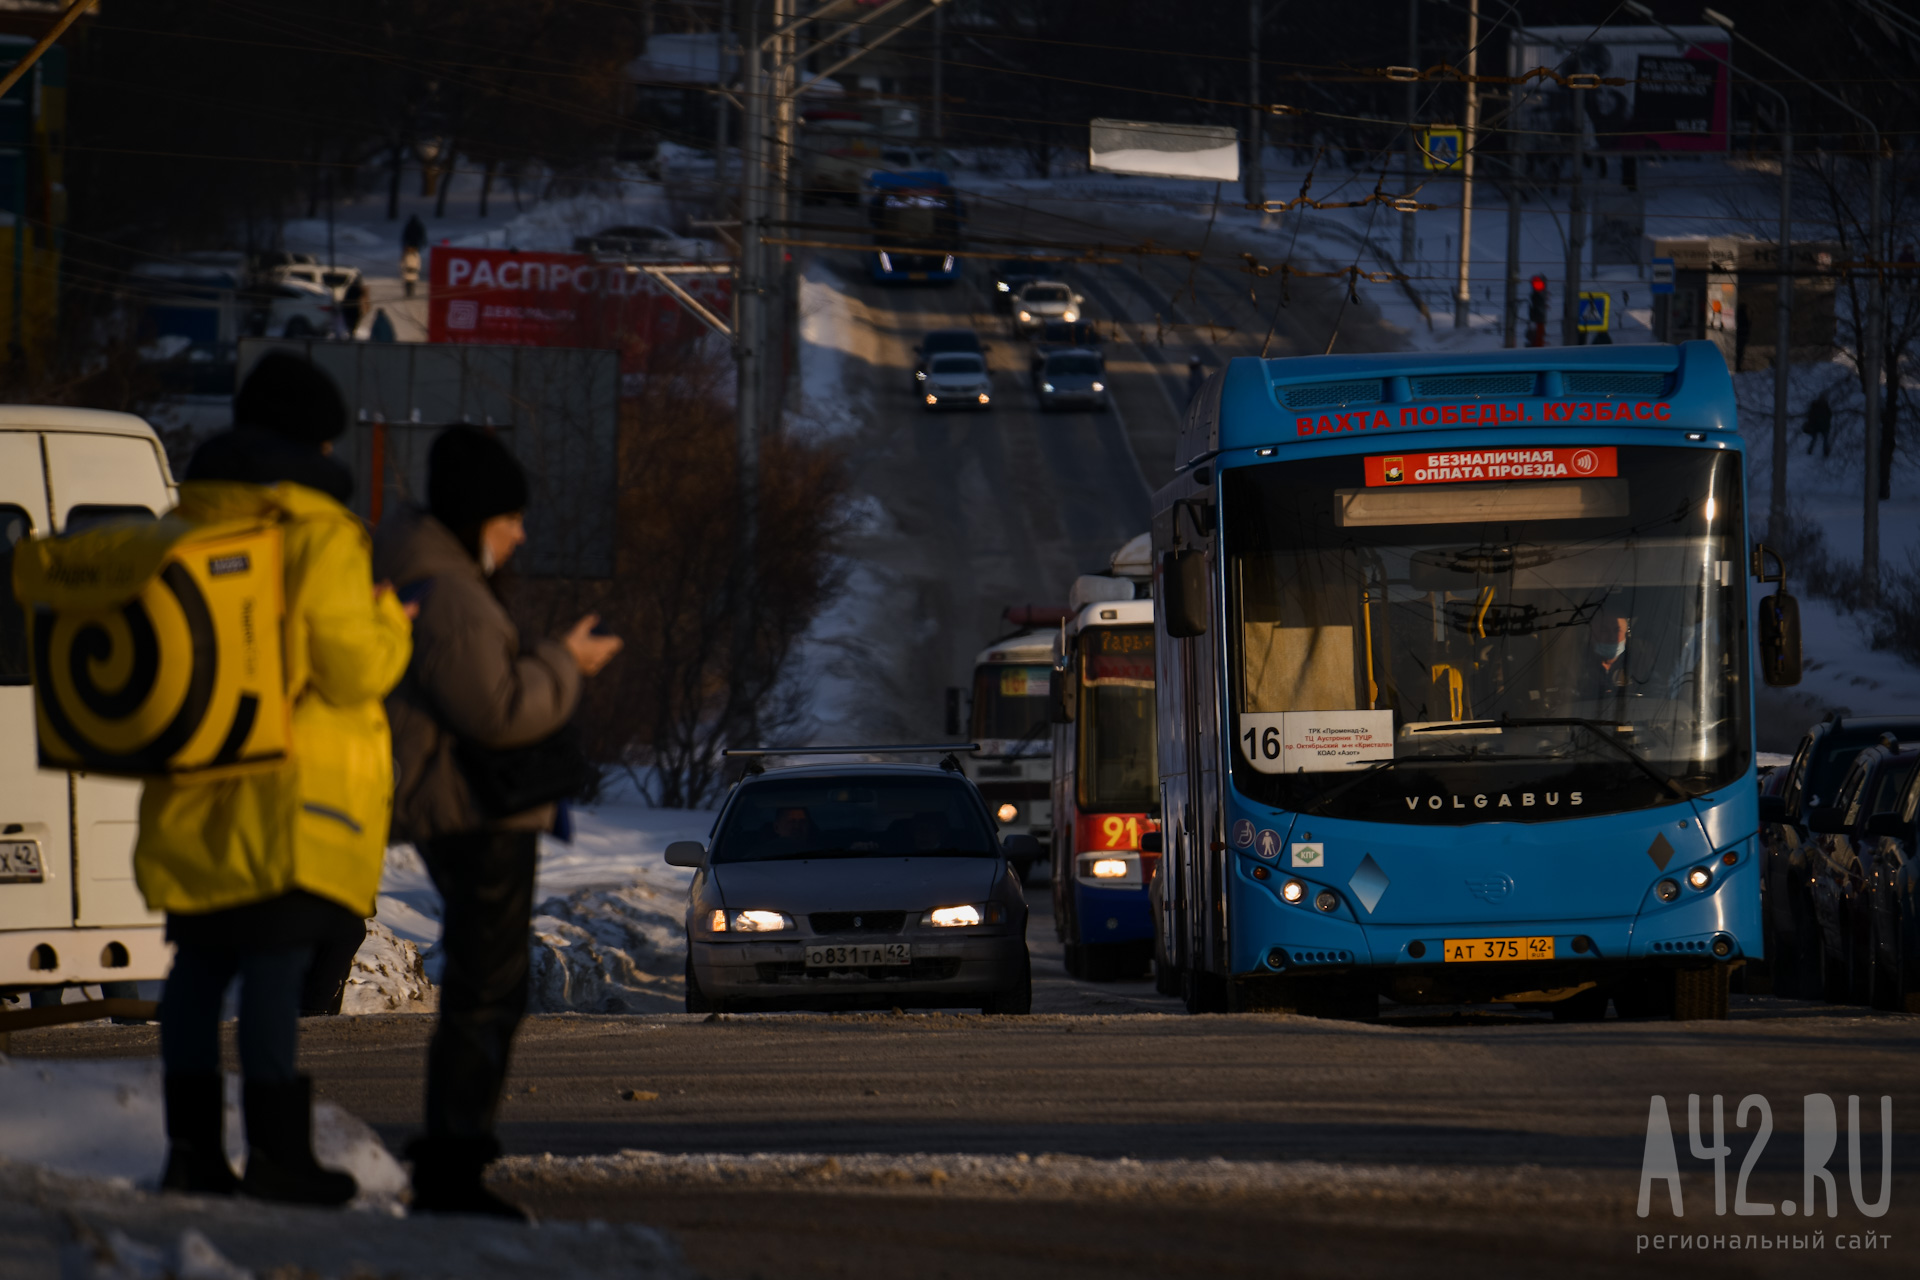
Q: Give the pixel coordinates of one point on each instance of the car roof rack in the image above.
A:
(755, 755)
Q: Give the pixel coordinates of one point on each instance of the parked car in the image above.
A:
(1072, 379)
(1893, 932)
(296, 309)
(334, 279)
(1061, 335)
(1842, 867)
(1807, 789)
(1044, 300)
(858, 885)
(958, 380)
(939, 342)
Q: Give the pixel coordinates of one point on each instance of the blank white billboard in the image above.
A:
(1205, 151)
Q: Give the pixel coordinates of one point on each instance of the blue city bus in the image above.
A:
(917, 221)
(1452, 670)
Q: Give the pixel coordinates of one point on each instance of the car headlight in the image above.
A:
(756, 922)
(966, 917)
(886, 263)
(1001, 285)
(1025, 316)
(1047, 387)
(919, 375)
(1099, 386)
(983, 397)
(932, 398)
(1069, 315)
(1007, 812)
(948, 264)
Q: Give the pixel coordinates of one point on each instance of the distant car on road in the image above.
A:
(1013, 275)
(1044, 300)
(1072, 379)
(855, 886)
(958, 380)
(1061, 335)
(939, 342)
(1893, 936)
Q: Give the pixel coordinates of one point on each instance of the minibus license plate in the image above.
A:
(1499, 948)
(859, 955)
(20, 863)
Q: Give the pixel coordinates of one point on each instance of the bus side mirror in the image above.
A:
(1183, 593)
(1779, 640)
(1060, 695)
(1150, 842)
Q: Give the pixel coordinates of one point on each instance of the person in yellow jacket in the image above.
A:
(257, 873)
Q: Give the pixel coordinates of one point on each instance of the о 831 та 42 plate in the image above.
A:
(859, 954)
(1499, 948)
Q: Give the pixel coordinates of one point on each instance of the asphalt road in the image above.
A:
(979, 510)
(1451, 1141)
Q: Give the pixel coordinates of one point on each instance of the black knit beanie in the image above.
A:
(291, 398)
(471, 478)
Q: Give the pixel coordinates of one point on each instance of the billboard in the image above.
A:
(1206, 151)
(509, 297)
(1678, 96)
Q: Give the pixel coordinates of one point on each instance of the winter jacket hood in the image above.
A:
(472, 677)
(319, 822)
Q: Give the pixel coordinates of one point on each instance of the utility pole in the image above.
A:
(1512, 321)
(939, 132)
(1408, 228)
(1463, 291)
(1255, 187)
(720, 33)
(1576, 223)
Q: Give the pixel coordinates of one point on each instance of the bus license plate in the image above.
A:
(20, 863)
(1499, 948)
(859, 955)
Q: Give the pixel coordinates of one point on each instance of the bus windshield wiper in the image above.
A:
(1595, 727)
(1358, 777)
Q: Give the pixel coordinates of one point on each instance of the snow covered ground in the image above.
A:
(608, 934)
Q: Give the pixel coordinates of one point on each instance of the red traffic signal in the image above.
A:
(1539, 284)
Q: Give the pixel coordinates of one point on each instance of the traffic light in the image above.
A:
(1537, 313)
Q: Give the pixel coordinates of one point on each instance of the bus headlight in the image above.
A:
(1007, 812)
(1109, 868)
(1667, 890)
(1293, 891)
(1700, 877)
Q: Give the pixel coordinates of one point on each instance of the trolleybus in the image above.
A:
(1453, 674)
(917, 220)
(1008, 718)
(1104, 788)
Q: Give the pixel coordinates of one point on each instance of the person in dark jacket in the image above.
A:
(1818, 425)
(473, 680)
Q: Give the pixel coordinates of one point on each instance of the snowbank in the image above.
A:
(607, 924)
(104, 1120)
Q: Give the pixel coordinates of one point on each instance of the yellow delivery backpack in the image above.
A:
(157, 648)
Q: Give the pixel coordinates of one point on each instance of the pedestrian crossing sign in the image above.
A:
(1440, 148)
(1595, 309)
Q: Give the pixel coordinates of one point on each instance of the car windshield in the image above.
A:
(1116, 763)
(842, 816)
(957, 364)
(1045, 293)
(1009, 702)
(1071, 366)
(1407, 648)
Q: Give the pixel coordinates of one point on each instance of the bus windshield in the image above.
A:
(1010, 702)
(1423, 651)
(1116, 759)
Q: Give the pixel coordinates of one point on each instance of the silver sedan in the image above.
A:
(855, 887)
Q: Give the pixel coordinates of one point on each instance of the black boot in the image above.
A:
(449, 1176)
(280, 1163)
(196, 1150)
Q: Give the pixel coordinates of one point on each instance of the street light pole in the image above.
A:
(1576, 224)
(1407, 226)
(1876, 319)
(1783, 290)
(1463, 290)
